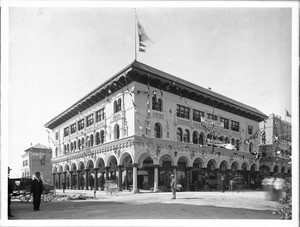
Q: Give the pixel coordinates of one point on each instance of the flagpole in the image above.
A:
(135, 54)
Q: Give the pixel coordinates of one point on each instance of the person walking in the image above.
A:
(37, 190)
(173, 186)
(10, 191)
(231, 185)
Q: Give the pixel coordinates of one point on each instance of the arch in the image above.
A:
(227, 140)
(184, 158)
(81, 165)
(209, 136)
(244, 166)
(186, 136)
(126, 158)
(211, 164)
(73, 167)
(224, 165)
(54, 169)
(232, 141)
(60, 168)
(221, 138)
(116, 131)
(111, 161)
(253, 167)
(66, 168)
(166, 157)
(89, 164)
(282, 169)
(275, 169)
(157, 130)
(179, 134)
(234, 166)
(198, 163)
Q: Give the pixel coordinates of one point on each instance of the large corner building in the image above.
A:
(143, 124)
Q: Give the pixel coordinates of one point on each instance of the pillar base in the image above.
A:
(135, 191)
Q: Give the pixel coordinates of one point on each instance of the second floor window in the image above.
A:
(100, 115)
(250, 129)
(117, 105)
(197, 114)
(56, 135)
(156, 104)
(183, 112)
(66, 131)
(89, 120)
(225, 121)
(73, 128)
(211, 116)
(157, 131)
(80, 124)
(235, 126)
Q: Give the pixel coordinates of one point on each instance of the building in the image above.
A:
(143, 124)
(37, 158)
(275, 146)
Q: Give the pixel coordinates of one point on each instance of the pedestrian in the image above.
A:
(10, 191)
(223, 183)
(173, 186)
(37, 190)
(231, 185)
(63, 186)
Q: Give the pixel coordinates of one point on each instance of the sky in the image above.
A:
(58, 55)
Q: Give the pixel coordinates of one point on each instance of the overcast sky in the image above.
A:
(58, 55)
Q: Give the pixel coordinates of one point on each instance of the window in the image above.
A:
(116, 132)
(101, 136)
(79, 144)
(251, 147)
(56, 135)
(232, 141)
(66, 131)
(157, 130)
(225, 121)
(183, 112)
(100, 115)
(74, 145)
(237, 146)
(250, 129)
(211, 116)
(117, 105)
(89, 120)
(82, 143)
(186, 136)
(235, 126)
(195, 137)
(73, 128)
(201, 138)
(179, 134)
(80, 124)
(156, 104)
(197, 114)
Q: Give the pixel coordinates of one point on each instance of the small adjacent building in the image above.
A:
(275, 146)
(37, 158)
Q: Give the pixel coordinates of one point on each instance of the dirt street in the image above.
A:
(145, 205)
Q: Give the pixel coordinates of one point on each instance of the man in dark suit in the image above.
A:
(37, 190)
(10, 191)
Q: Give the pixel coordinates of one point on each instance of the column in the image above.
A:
(65, 177)
(188, 178)
(156, 178)
(71, 180)
(53, 178)
(126, 178)
(78, 179)
(96, 178)
(134, 177)
(86, 179)
(120, 177)
(106, 173)
(59, 180)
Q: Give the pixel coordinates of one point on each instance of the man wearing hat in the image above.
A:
(37, 190)
(173, 186)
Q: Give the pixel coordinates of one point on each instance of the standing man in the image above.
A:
(37, 190)
(173, 186)
(10, 191)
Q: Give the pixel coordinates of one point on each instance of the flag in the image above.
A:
(143, 37)
(288, 114)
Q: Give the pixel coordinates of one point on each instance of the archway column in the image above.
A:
(134, 177)
(96, 178)
(78, 179)
(65, 177)
(59, 180)
(155, 177)
(53, 178)
(86, 179)
(71, 180)
(120, 177)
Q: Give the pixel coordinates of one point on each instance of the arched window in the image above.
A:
(251, 147)
(227, 140)
(233, 141)
(179, 134)
(209, 136)
(79, 144)
(87, 141)
(116, 132)
(237, 145)
(97, 138)
(221, 138)
(157, 130)
(92, 140)
(56, 151)
(115, 106)
(71, 146)
(119, 105)
(101, 136)
(186, 136)
(201, 140)
(82, 143)
(68, 147)
(156, 103)
(74, 145)
(195, 137)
